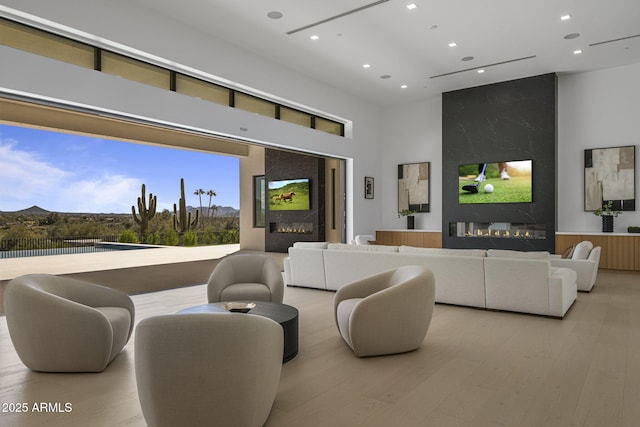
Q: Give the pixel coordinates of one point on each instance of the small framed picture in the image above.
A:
(368, 187)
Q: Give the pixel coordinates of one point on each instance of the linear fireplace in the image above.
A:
(497, 230)
(291, 227)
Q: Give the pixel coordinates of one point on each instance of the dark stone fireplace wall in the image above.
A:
(514, 120)
(281, 165)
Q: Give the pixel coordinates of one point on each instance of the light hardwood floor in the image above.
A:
(475, 368)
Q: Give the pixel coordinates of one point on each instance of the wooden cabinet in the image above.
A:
(417, 238)
(619, 251)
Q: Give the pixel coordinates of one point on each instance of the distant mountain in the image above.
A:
(33, 210)
(221, 211)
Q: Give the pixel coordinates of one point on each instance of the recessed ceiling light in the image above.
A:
(403, 87)
(572, 36)
(577, 51)
(480, 71)
(366, 65)
(274, 14)
(453, 44)
(412, 6)
(565, 17)
(314, 37)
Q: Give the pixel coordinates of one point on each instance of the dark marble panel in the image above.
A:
(280, 165)
(514, 120)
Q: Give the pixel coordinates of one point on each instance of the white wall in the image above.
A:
(597, 109)
(412, 134)
(133, 26)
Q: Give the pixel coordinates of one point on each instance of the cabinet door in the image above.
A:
(620, 253)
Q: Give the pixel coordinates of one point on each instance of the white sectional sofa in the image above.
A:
(468, 277)
(526, 282)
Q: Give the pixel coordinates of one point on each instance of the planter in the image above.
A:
(607, 223)
(411, 222)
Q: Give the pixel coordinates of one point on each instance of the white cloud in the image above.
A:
(108, 193)
(26, 180)
(24, 177)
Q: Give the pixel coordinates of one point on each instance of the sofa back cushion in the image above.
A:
(368, 248)
(311, 245)
(582, 250)
(502, 253)
(442, 251)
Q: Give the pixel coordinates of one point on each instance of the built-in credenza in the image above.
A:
(417, 238)
(620, 251)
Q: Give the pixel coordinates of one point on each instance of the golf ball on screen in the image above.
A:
(488, 188)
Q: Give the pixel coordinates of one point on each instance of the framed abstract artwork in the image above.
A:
(368, 187)
(610, 176)
(413, 187)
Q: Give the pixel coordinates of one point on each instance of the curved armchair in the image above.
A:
(386, 313)
(207, 369)
(254, 277)
(59, 324)
(586, 267)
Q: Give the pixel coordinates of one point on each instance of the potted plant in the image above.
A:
(607, 215)
(411, 223)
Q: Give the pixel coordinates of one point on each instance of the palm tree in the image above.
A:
(211, 194)
(199, 192)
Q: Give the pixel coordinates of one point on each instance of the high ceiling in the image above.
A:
(509, 39)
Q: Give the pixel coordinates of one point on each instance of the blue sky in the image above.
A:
(71, 173)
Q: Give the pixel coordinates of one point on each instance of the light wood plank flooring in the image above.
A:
(476, 368)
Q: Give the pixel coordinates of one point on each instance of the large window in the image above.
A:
(201, 89)
(46, 44)
(132, 69)
(39, 42)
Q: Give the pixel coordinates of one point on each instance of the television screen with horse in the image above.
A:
(289, 195)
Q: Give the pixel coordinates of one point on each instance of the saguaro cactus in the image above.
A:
(146, 214)
(182, 219)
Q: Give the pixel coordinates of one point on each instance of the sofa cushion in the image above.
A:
(311, 245)
(502, 253)
(442, 251)
(582, 250)
(368, 248)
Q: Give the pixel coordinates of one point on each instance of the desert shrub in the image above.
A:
(128, 236)
(152, 238)
(209, 236)
(170, 238)
(189, 238)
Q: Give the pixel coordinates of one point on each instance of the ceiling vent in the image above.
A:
(483, 66)
(349, 12)
(614, 40)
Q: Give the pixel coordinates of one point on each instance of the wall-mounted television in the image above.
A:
(499, 182)
(289, 195)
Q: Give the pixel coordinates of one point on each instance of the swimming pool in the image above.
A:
(95, 247)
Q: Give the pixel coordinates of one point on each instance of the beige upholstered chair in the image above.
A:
(386, 313)
(59, 324)
(584, 260)
(207, 369)
(245, 277)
